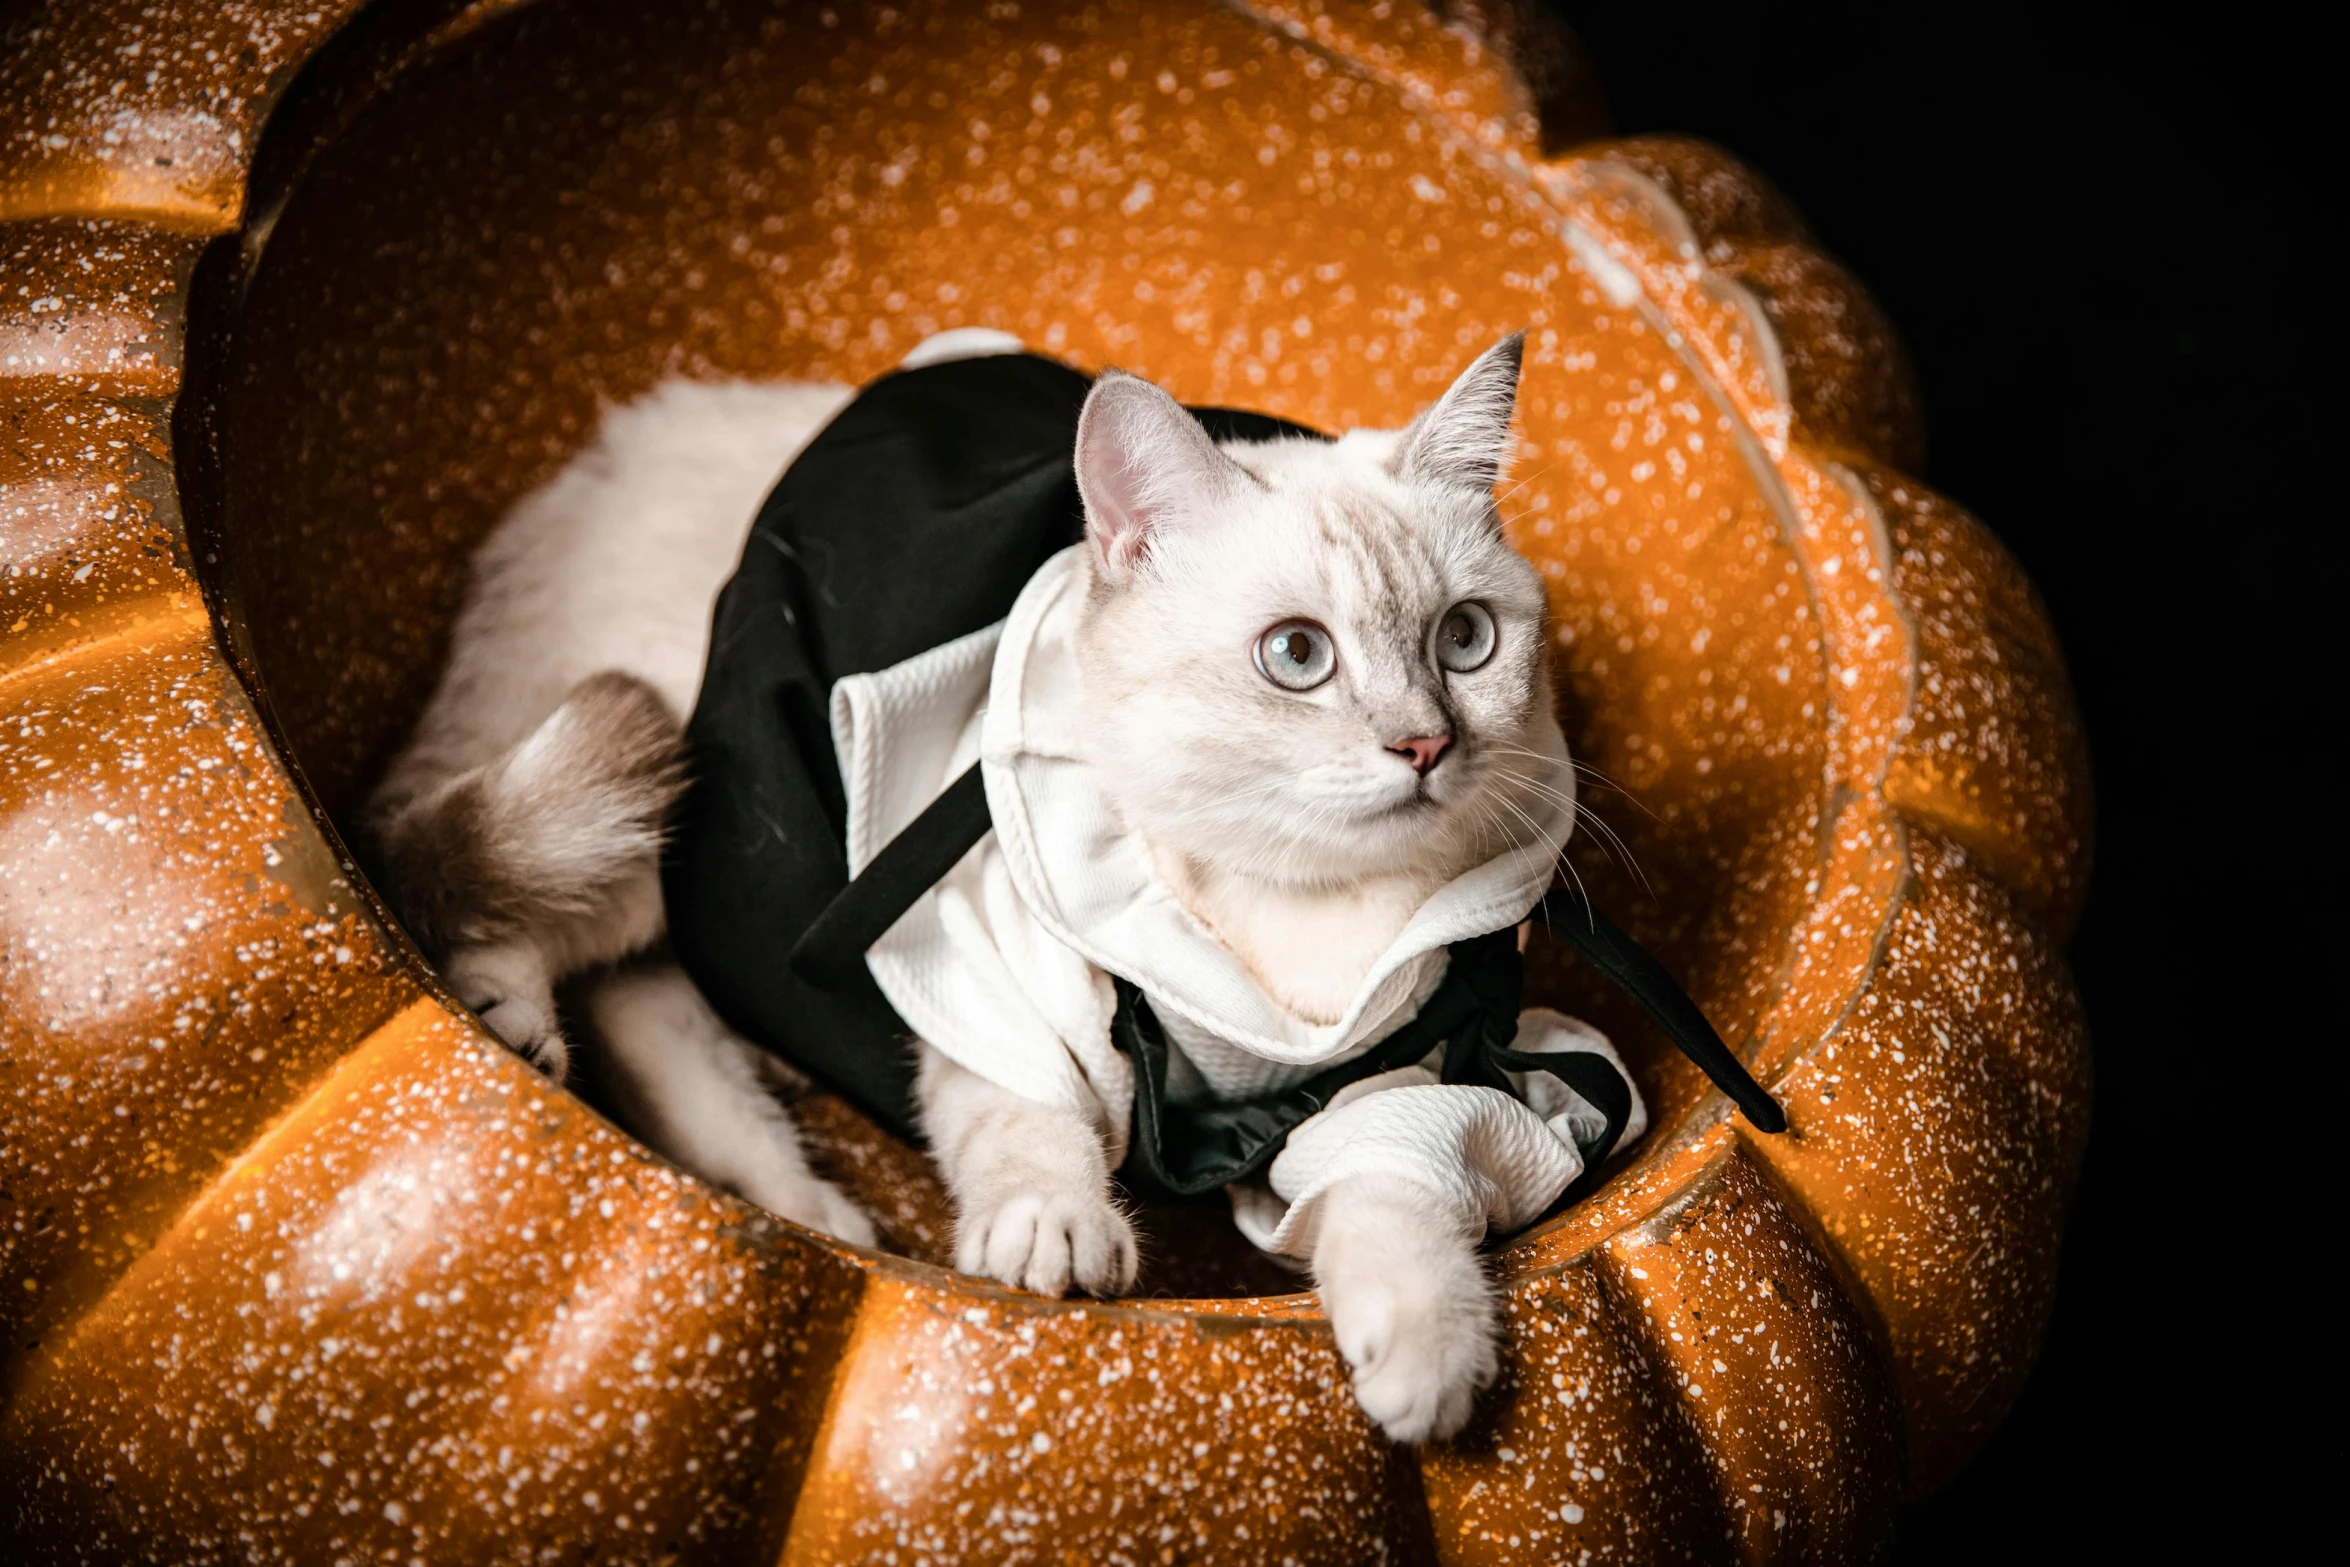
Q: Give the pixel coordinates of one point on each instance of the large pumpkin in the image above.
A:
(297, 1264)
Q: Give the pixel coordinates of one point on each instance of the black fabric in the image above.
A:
(1189, 1150)
(1569, 916)
(831, 952)
(914, 518)
(1186, 1150)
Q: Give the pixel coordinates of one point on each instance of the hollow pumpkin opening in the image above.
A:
(552, 210)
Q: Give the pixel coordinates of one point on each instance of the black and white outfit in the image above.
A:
(891, 668)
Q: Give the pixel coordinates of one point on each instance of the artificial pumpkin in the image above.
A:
(296, 1263)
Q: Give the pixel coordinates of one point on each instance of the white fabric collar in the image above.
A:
(1090, 882)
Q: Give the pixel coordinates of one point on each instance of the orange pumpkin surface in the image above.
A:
(297, 1264)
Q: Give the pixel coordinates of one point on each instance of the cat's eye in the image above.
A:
(1465, 637)
(1296, 655)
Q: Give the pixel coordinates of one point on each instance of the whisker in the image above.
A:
(1612, 841)
(1617, 848)
(1558, 859)
(1522, 483)
(1581, 769)
(1536, 827)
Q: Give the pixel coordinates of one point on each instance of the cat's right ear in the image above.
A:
(1143, 465)
(1463, 440)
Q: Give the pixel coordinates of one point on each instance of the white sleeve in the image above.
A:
(1493, 1162)
(1487, 1159)
(1073, 998)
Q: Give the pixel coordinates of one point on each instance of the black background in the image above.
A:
(2098, 235)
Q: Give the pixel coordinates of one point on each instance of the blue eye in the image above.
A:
(1465, 638)
(1296, 655)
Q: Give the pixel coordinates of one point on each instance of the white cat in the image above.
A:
(1314, 686)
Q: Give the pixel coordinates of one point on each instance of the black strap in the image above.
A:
(831, 951)
(1568, 915)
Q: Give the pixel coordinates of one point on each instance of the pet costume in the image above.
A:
(891, 696)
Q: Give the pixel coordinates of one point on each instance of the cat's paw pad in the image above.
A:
(1421, 1346)
(1048, 1241)
(506, 985)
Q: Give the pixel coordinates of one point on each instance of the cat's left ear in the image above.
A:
(1463, 438)
(1143, 466)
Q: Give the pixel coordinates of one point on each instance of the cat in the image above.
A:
(1301, 828)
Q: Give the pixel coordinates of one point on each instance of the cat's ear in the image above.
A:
(1463, 438)
(1143, 465)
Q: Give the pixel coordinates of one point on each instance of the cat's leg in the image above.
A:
(1031, 1184)
(697, 1091)
(1409, 1301)
(509, 980)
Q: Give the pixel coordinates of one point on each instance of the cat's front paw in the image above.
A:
(1046, 1241)
(1421, 1350)
(1413, 1314)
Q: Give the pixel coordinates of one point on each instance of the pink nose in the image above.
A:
(1423, 753)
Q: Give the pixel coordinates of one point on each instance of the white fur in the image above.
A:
(1216, 765)
(1409, 1303)
(614, 563)
(508, 983)
(688, 1082)
(1305, 948)
(1031, 1185)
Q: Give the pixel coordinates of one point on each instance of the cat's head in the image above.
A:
(1309, 661)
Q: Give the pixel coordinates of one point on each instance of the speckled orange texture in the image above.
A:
(116, 106)
(182, 961)
(967, 1425)
(297, 1265)
(1936, 1130)
(1772, 1364)
(600, 1352)
(1459, 64)
(1579, 1448)
(105, 318)
(1993, 753)
(1846, 379)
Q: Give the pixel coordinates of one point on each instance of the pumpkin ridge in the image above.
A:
(169, 629)
(62, 1339)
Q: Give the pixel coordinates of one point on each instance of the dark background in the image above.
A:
(2098, 236)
